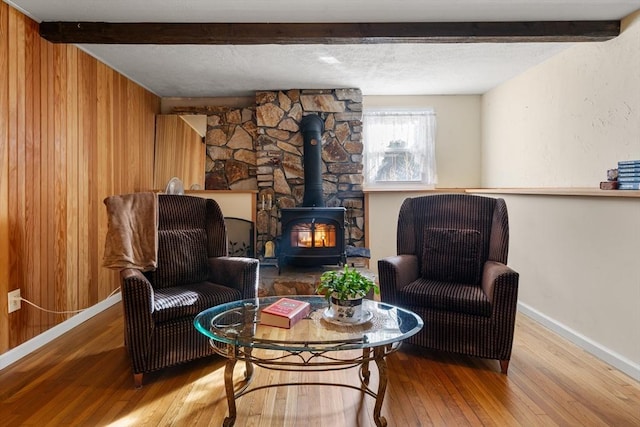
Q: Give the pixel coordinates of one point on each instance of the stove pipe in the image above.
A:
(312, 127)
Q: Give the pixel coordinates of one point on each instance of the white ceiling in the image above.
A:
(379, 69)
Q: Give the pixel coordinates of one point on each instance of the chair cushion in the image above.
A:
(186, 301)
(451, 255)
(182, 258)
(445, 296)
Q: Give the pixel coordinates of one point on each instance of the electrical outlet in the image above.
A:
(14, 300)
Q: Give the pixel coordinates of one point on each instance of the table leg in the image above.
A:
(378, 354)
(366, 354)
(248, 372)
(229, 388)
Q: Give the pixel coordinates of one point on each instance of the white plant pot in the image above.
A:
(347, 311)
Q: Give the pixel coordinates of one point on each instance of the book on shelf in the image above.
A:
(285, 312)
(629, 169)
(628, 163)
(635, 178)
(628, 185)
(609, 185)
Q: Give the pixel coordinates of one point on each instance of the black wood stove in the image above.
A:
(312, 234)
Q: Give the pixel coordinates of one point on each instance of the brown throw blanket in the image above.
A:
(132, 234)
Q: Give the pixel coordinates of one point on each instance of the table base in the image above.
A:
(309, 361)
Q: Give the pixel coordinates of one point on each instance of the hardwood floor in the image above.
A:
(84, 379)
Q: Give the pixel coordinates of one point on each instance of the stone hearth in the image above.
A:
(296, 280)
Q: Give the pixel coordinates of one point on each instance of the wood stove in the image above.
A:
(312, 236)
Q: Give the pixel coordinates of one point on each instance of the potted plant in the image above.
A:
(345, 291)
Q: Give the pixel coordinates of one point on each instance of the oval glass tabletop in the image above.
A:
(238, 323)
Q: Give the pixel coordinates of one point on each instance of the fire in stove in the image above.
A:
(312, 235)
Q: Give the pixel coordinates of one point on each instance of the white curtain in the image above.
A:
(399, 148)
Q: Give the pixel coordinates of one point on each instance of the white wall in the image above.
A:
(578, 264)
(235, 204)
(563, 124)
(568, 120)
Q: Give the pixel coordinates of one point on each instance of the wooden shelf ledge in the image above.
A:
(534, 191)
(553, 191)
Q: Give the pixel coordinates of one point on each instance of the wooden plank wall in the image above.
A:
(72, 132)
(180, 152)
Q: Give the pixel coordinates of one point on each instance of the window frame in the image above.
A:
(429, 177)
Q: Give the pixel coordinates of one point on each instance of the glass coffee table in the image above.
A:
(315, 343)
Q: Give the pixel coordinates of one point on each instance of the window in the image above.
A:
(399, 148)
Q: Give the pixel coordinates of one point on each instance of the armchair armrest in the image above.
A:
(137, 301)
(137, 292)
(236, 272)
(396, 272)
(500, 283)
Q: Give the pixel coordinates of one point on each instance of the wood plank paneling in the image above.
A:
(32, 162)
(180, 152)
(49, 294)
(60, 178)
(86, 182)
(72, 132)
(15, 272)
(4, 174)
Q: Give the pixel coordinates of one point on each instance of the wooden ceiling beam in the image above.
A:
(327, 33)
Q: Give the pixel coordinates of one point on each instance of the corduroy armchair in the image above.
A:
(193, 274)
(451, 270)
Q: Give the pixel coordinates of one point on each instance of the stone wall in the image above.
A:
(231, 151)
(275, 167)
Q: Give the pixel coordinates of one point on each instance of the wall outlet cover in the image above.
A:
(14, 300)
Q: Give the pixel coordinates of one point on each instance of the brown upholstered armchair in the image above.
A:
(193, 273)
(451, 270)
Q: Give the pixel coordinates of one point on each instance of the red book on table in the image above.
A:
(285, 312)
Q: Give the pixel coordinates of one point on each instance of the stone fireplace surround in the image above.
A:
(260, 148)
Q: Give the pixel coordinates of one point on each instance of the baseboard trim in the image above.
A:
(606, 355)
(49, 335)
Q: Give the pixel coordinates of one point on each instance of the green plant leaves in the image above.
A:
(344, 284)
